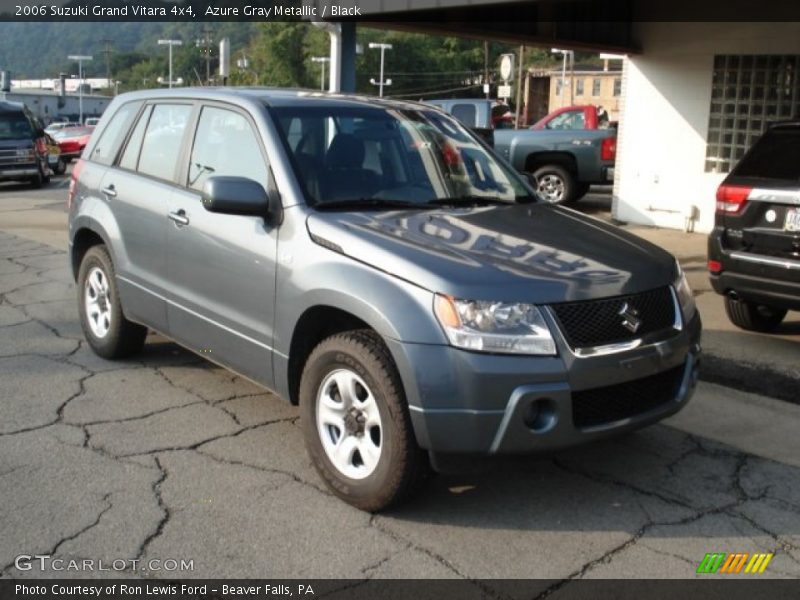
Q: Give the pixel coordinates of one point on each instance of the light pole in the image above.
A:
(322, 60)
(381, 83)
(205, 45)
(80, 58)
(571, 55)
(170, 43)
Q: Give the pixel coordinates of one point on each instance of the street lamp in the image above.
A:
(571, 55)
(80, 58)
(170, 43)
(322, 60)
(383, 48)
(205, 45)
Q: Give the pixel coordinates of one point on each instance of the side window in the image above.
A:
(572, 119)
(162, 140)
(225, 144)
(111, 137)
(130, 157)
(466, 113)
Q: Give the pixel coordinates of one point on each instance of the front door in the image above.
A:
(222, 267)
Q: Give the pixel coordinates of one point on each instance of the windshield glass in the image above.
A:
(14, 126)
(386, 155)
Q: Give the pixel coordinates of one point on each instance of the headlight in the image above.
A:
(685, 296)
(501, 327)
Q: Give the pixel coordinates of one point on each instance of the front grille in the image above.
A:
(615, 402)
(598, 322)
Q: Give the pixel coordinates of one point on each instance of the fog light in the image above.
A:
(540, 415)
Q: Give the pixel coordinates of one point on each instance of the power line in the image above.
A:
(430, 92)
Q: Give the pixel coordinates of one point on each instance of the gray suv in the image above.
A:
(374, 262)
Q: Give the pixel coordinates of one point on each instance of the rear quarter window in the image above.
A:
(111, 137)
(776, 155)
(466, 113)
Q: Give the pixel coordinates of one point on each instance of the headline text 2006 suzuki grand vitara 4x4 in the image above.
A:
(374, 262)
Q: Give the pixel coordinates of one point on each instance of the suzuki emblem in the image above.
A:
(630, 318)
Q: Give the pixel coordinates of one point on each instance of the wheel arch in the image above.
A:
(537, 160)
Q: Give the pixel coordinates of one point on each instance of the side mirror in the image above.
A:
(235, 196)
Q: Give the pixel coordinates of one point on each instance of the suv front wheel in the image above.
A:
(356, 423)
(753, 317)
(107, 330)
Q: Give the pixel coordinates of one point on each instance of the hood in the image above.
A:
(534, 253)
(16, 143)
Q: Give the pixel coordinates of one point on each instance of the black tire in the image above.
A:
(61, 167)
(38, 180)
(753, 317)
(555, 184)
(122, 338)
(402, 466)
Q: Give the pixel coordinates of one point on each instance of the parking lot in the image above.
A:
(169, 457)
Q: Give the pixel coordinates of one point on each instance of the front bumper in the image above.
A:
(470, 403)
(21, 172)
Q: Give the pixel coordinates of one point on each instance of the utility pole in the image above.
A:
(383, 48)
(519, 86)
(322, 60)
(80, 58)
(205, 44)
(107, 50)
(170, 43)
(486, 87)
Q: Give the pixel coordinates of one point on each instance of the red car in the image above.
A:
(72, 141)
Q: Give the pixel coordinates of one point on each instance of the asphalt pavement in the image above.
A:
(168, 457)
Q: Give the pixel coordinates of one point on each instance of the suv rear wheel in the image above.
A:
(107, 330)
(356, 423)
(753, 317)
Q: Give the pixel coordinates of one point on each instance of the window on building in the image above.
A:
(618, 86)
(596, 86)
(559, 86)
(747, 92)
(579, 87)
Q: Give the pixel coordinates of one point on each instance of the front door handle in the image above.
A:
(179, 217)
(110, 191)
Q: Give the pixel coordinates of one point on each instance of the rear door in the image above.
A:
(221, 268)
(139, 188)
(767, 179)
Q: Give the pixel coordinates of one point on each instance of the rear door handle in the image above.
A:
(179, 217)
(110, 191)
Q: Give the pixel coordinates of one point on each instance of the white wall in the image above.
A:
(667, 93)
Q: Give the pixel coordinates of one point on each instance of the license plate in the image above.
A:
(792, 222)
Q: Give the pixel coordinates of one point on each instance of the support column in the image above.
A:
(348, 72)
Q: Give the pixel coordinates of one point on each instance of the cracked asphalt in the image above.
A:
(168, 456)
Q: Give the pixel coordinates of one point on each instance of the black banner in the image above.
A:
(377, 11)
(732, 588)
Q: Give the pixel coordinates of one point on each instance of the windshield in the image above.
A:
(376, 155)
(15, 126)
(71, 132)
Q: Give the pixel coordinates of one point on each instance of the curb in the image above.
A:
(749, 377)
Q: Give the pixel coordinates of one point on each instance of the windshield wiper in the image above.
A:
(467, 201)
(355, 203)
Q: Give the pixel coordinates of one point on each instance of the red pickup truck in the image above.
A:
(587, 116)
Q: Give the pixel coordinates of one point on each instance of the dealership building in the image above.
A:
(694, 94)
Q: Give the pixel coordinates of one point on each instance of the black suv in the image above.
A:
(23, 149)
(754, 249)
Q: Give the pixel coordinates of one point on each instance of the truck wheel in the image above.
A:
(556, 185)
(61, 167)
(753, 317)
(356, 423)
(38, 180)
(107, 330)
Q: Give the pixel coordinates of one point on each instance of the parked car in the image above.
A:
(55, 161)
(92, 121)
(480, 115)
(72, 141)
(23, 151)
(57, 125)
(588, 116)
(374, 262)
(754, 248)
